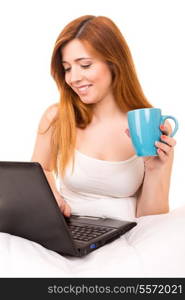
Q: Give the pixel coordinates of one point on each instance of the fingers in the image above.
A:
(167, 143)
(165, 147)
(164, 129)
(162, 155)
(168, 140)
(64, 207)
(162, 146)
(67, 210)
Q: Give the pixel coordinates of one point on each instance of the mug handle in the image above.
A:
(163, 118)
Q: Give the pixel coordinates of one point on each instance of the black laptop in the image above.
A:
(28, 209)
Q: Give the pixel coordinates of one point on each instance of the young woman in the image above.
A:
(84, 138)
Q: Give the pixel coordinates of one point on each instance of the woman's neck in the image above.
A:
(106, 110)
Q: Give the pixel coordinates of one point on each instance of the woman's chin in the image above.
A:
(87, 100)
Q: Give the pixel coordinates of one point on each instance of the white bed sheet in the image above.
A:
(154, 248)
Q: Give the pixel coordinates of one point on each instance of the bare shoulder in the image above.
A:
(48, 116)
(51, 112)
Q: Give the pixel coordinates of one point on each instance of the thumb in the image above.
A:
(147, 158)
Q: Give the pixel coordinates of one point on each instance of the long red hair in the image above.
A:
(103, 36)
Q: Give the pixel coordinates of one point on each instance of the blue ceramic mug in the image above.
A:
(144, 125)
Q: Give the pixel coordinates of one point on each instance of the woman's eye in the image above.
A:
(86, 66)
(67, 70)
(83, 66)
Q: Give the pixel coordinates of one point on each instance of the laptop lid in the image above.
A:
(28, 207)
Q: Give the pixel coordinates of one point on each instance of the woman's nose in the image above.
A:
(75, 75)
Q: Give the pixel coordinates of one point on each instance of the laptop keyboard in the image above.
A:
(86, 233)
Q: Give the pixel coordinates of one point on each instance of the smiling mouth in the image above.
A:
(84, 89)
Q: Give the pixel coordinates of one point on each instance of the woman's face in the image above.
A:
(87, 75)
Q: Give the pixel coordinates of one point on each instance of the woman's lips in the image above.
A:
(83, 89)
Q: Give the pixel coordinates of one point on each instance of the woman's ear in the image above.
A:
(127, 131)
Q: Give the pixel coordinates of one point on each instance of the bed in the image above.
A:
(154, 248)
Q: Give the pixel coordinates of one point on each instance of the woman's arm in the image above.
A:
(42, 154)
(153, 197)
(154, 194)
(64, 207)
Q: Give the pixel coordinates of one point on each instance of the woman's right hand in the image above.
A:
(63, 205)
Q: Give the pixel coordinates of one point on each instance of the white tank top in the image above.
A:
(102, 188)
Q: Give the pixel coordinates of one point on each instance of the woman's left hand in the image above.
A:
(164, 150)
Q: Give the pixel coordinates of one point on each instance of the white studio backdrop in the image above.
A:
(155, 33)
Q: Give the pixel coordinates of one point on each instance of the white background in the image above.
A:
(154, 30)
